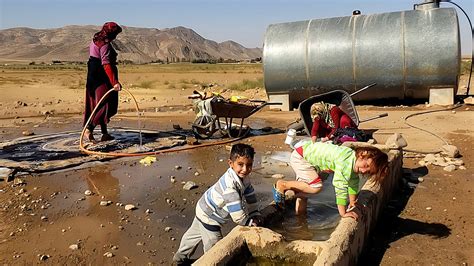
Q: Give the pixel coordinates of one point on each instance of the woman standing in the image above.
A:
(102, 75)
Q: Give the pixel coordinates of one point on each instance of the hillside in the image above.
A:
(140, 45)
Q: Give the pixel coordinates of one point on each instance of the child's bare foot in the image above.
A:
(88, 135)
(106, 137)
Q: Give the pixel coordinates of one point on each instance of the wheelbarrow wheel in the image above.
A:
(204, 127)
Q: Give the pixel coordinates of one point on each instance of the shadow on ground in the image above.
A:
(390, 227)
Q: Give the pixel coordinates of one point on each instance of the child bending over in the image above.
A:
(309, 159)
(231, 197)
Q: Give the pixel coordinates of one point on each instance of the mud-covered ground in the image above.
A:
(47, 218)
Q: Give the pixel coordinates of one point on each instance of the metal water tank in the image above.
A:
(406, 53)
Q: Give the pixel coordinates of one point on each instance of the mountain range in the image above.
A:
(139, 45)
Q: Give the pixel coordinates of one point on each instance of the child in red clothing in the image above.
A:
(326, 119)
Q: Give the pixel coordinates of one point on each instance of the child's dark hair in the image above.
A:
(242, 150)
(379, 166)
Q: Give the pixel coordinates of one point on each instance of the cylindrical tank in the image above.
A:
(406, 53)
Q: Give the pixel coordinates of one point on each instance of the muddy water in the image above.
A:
(322, 215)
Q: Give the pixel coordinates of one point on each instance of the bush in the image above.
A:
(247, 84)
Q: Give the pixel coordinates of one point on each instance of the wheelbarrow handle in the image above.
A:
(363, 89)
(373, 117)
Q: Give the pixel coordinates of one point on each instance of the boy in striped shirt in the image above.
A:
(311, 158)
(232, 197)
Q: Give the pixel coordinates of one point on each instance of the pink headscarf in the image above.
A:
(109, 32)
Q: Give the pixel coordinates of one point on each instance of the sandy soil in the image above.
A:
(429, 222)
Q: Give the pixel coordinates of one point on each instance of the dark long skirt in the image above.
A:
(97, 85)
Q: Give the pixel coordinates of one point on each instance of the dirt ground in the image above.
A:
(49, 219)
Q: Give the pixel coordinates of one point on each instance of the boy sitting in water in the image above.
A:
(223, 201)
(310, 158)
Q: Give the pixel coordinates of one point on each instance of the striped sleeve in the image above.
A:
(233, 205)
(251, 200)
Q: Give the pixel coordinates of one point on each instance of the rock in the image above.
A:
(451, 151)
(428, 208)
(18, 182)
(421, 179)
(172, 179)
(192, 141)
(396, 141)
(196, 173)
(469, 100)
(74, 247)
(190, 185)
(43, 257)
(372, 141)
(27, 133)
(449, 168)
(130, 207)
(278, 176)
(105, 202)
(88, 193)
(167, 229)
(430, 158)
(462, 167)
(177, 167)
(108, 254)
(5, 173)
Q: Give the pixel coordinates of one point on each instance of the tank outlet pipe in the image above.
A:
(426, 5)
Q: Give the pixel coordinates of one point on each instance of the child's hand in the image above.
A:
(313, 139)
(324, 139)
(351, 214)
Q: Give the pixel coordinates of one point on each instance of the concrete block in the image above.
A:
(442, 96)
(280, 98)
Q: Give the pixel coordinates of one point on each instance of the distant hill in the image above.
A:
(140, 45)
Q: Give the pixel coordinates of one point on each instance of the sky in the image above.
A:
(242, 21)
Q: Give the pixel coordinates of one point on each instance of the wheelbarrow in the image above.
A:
(219, 114)
(338, 97)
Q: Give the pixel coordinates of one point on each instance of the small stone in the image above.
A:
(43, 257)
(172, 179)
(462, 167)
(396, 141)
(167, 229)
(130, 207)
(88, 193)
(27, 133)
(449, 168)
(74, 247)
(428, 208)
(451, 151)
(105, 202)
(148, 211)
(421, 179)
(44, 218)
(177, 167)
(108, 254)
(196, 173)
(190, 185)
